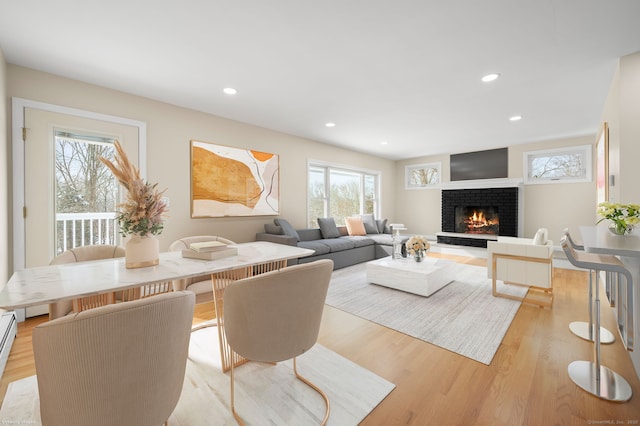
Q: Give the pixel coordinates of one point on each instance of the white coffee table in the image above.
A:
(422, 278)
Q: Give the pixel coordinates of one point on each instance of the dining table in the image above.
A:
(598, 239)
(47, 284)
(71, 281)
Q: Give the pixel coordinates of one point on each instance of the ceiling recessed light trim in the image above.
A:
(490, 77)
(330, 124)
(515, 118)
(229, 90)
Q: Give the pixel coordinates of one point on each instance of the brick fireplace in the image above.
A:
(474, 212)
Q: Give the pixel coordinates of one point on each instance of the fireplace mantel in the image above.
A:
(483, 183)
(506, 194)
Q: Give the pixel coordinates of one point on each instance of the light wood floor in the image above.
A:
(526, 384)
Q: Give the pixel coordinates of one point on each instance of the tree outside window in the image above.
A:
(86, 191)
(339, 193)
(571, 164)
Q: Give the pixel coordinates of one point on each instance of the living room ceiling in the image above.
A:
(405, 73)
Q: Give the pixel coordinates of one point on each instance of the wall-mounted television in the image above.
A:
(489, 164)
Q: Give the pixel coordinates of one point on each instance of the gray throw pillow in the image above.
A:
(328, 227)
(369, 224)
(287, 229)
(273, 229)
(381, 223)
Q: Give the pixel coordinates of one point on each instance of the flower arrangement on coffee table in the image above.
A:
(417, 247)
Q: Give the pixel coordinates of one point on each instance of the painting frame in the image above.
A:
(602, 164)
(425, 171)
(228, 181)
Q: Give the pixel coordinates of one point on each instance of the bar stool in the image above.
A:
(594, 377)
(582, 329)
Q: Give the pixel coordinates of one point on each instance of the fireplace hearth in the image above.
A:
(473, 216)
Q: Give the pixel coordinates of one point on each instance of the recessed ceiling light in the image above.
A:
(515, 118)
(384, 143)
(330, 124)
(490, 77)
(229, 90)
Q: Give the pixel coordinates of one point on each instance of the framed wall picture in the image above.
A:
(420, 176)
(228, 181)
(602, 164)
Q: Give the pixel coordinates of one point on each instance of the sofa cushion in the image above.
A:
(370, 225)
(338, 244)
(328, 227)
(310, 234)
(273, 229)
(381, 224)
(318, 247)
(355, 226)
(287, 229)
(361, 241)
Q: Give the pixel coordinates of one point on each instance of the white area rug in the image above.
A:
(462, 317)
(265, 394)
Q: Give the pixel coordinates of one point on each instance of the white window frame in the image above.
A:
(346, 168)
(585, 150)
(408, 172)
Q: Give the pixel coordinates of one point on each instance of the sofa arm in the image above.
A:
(525, 263)
(520, 247)
(277, 238)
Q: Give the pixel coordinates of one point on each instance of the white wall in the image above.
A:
(611, 115)
(420, 209)
(5, 208)
(621, 111)
(553, 206)
(169, 131)
(629, 111)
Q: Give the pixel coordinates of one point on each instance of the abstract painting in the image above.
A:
(228, 181)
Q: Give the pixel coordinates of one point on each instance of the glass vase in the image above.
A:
(419, 256)
(620, 229)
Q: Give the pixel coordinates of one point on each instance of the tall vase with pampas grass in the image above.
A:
(140, 216)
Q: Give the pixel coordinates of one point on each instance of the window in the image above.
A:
(339, 192)
(420, 176)
(86, 191)
(562, 165)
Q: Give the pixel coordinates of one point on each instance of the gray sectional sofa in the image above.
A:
(334, 242)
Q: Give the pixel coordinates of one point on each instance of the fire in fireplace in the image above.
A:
(502, 199)
(477, 220)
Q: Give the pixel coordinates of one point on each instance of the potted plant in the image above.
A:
(623, 217)
(140, 216)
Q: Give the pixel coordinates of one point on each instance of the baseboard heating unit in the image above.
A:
(8, 330)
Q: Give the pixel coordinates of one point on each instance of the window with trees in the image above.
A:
(562, 165)
(86, 191)
(339, 192)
